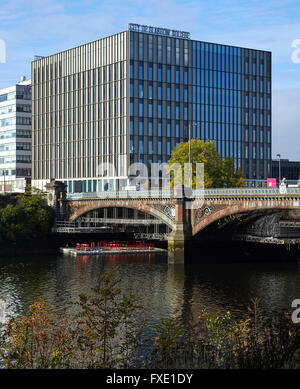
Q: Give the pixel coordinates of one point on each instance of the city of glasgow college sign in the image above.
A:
(159, 31)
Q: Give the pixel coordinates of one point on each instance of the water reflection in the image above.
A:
(166, 290)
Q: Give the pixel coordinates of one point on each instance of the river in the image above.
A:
(166, 290)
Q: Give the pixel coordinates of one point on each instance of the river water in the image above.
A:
(166, 290)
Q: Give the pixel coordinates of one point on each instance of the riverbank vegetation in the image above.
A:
(107, 329)
(27, 217)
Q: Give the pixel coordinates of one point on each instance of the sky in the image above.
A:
(44, 27)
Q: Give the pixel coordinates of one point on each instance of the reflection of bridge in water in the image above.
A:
(170, 214)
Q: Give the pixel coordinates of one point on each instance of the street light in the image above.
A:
(191, 124)
(279, 170)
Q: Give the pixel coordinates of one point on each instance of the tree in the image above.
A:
(30, 217)
(218, 173)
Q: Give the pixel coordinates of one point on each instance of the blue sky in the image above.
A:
(43, 27)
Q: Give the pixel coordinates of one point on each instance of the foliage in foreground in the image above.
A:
(107, 331)
(218, 172)
(28, 218)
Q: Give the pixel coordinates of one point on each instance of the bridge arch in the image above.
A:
(85, 207)
(213, 215)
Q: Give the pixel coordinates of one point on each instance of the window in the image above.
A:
(131, 71)
(141, 108)
(131, 126)
(168, 129)
(261, 72)
(150, 109)
(185, 112)
(141, 146)
(141, 90)
(169, 92)
(159, 94)
(150, 128)
(186, 94)
(159, 73)
(185, 76)
(159, 128)
(168, 147)
(246, 67)
(177, 75)
(177, 130)
(141, 70)
(150, 91)
(131, 108)
(159, 110)
(177, 93)
(141, 127)
(177, 112)
(169, 74)
(150, 72)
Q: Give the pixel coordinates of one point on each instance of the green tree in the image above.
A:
(218, 172)
(30, 217)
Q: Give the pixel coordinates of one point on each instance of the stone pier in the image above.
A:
(181, 234)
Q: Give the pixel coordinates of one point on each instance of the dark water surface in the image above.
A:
(166, 290)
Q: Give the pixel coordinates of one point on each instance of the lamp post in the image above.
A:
(191, 124)
(279, 170)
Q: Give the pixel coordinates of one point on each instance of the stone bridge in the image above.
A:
(187, 216)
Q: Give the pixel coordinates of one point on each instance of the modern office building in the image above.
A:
(288, 169)
(131, 97)
(15, 137)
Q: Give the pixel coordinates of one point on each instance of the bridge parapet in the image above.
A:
(195, 194)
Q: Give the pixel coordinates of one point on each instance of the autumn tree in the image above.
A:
(218, 172)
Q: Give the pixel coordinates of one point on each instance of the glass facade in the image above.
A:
(224, 91)
(132, 96)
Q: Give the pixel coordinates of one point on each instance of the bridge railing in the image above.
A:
(246, 191)
(121, 194)
(200, 193)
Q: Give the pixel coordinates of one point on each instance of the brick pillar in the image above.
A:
(179, 237)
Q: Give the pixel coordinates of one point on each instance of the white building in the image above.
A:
(15, 136)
